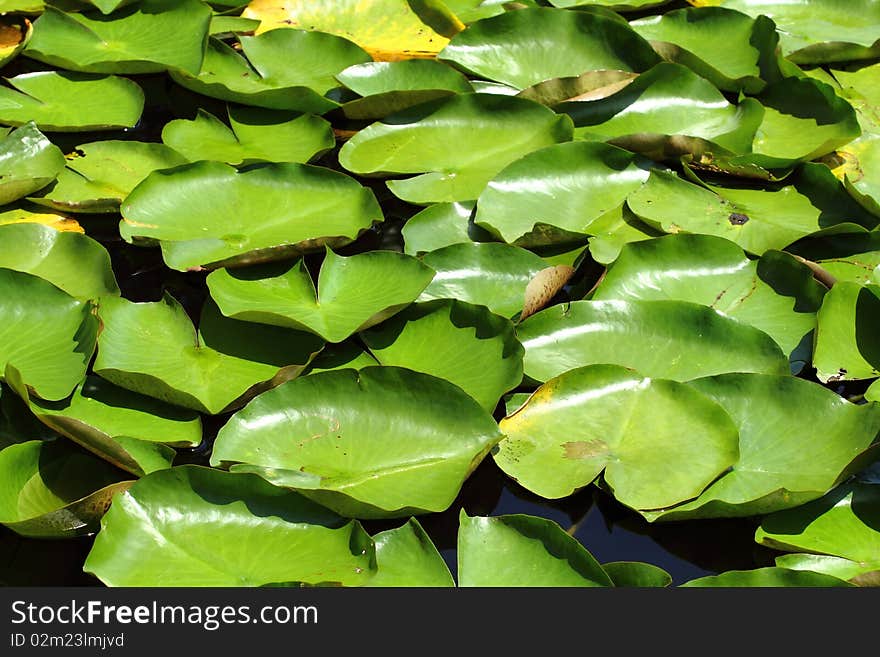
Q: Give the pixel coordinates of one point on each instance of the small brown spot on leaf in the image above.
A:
(10, 36)
(737, 218)
(585, 449)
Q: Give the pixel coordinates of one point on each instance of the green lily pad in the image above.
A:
(344, 355)
(49, 336)
(389, 30)
(775, 294)
(132, 432)
(153, 349)
(15, 33)
(406, 557)
(164, 532)
(28, 162)
(348, 298)
(851, 257)
(691, 37)
(381, 442)
(846, 346)
(614, 230)
(282, 69)
(463, 343)
(426, 138)
(389, 87)
(524, 47)
(253, 135)
(845, 523)
(438, 225)
(807, 440)
(666, 112)
(637, 431)
(756, 218)
(817, 31)
(150, 37)
(668, 339)
(851, 571)
(195, 211)
(224, 27)
(71, 102)
(636, 574)
(53, 489)
(25, 213)
(519, 550)
(101, 174)
(491, 275)
(615, 5)
(565, 186)
(767, 577)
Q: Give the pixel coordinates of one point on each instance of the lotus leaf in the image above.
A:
(439, 225)
(28, 162)
(768, 577)
(406, 557)
(635, 574)
(846, 345)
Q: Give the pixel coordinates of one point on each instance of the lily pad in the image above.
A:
(406, 557)
(851, 571)
(592, 85)
(636, 574)
(282, 69)
(149, 37)
(519, 550)
(566, 186)
(463, 343)
(348, 299)
(768, 577)
(253, 135)
(691, 37)
(775, 294)
(348, 354)
(755, 217)
(212, 370)
(807, 440)
(101, 174)
(849, 257)
(491, 275)
(164, 532)
(15, 32)
(817, 31)
(846, 346)
(666, 112)
(132, 432)
(53, 489)
(845, 523)
(22, 213)
(383, 442)
(438, 225)
(195, 212)
(71, 102)
(606, 419)
(426, 138)
(668, 339)
(524, 47)
(49, 336)
(71, 261)
(389, 30)
(28, 162)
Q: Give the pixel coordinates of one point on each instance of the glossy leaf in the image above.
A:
(637, 431)
(71, 261)
(592, 85)
(692, 37)
(195, 212)
(381, 442)
(566, 186)
(149, 37)
(491, 275)
(520, 550)
(282, 69)
(101, 174)
(851, 571)
(846, 346)
(153, 349)
(524, 47)
(406, 557)
(389, 30)
(767, 577)
(667, 339)
(425, 139)
(24, 214)
(71, 102)
(851, 257)
(463, 343)
(164, 532)
(754, 217)
(349, 296)
(52, 489)
(802, 442)
(49, 336)
(438, 225)
(28, 162)
(636, 574)
(775, 294)
(253, 135)
(348, 354)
